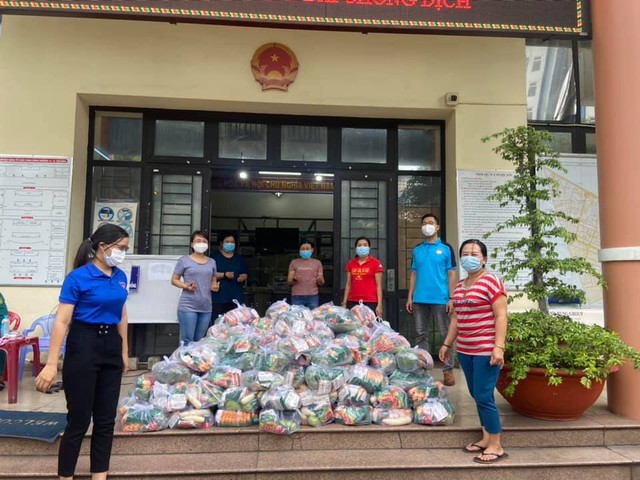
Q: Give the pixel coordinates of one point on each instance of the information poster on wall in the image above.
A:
(579, 198)
(123, 214)
(478, 216)
(35, 198)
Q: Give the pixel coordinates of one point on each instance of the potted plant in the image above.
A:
(555, 367)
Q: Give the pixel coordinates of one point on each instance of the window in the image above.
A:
(304, 143)
(243, 141)
(536, 64)
(118, 136)
(179, 139)
(116, 199)
(419, 148)
(587, 93)
(551, 91)
(364, 145)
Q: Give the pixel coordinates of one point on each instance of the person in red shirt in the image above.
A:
(364, 279)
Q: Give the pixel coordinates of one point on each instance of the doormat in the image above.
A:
(43, 426)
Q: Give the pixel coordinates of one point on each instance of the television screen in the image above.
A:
(277, 240)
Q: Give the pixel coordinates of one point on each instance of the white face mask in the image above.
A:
(116, 257)
(428, 230)
(200, 247)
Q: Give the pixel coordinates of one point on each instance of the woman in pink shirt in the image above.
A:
(479, 323)
(305, 276)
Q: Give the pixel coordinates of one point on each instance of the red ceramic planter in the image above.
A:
(534, 397)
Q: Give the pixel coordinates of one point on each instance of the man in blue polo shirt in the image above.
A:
(432, 281)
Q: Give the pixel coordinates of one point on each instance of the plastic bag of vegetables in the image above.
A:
(317, 411)
(392, 416)
(273, 357)
(276, 308)
(169, 398)
(434, 412)
(332, 354)
(353, 395)
(225, 376)
(385, 340)
(239, 399)
(424, 357)
(143, 387)
(170, 371)
(372, 379)
(198, 357)
(385, 361)
(391, 397)
(363, 314)
(408, 379)
(324, 379)
(352, 415)
(230, 418)
(407, 360)
(143, 417)
(280, 398)
(191, 418)
(256, 380)
(201, 393)
(241, 315)
(279, 422)
(340, 320)
(424, 391)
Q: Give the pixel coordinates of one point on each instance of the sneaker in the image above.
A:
(449, 380)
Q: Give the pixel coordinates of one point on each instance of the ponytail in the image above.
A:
(85, 253)
(107, 233)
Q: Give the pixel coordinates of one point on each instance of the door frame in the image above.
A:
(390, 285)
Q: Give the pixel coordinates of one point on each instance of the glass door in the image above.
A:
(363, 204)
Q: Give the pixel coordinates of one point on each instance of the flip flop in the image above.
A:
(54, 388)
(477, 449)
(496, 458)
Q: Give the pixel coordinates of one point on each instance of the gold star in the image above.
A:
(274, 58)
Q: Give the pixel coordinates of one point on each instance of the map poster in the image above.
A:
(35, 197)
(123, 214)
(578, 198)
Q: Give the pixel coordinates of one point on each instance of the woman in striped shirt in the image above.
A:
(479, 324)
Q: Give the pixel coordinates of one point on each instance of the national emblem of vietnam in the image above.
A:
(274, 66)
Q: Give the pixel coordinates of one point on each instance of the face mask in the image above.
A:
(471, 264)
(228, 247)
(116, 257)
(305, 254)
(428, 230)
(362, 251)
(200, 247)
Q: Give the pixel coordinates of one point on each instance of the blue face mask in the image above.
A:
(228, 247)
(362, 251)
(471, 264)
(305, 254)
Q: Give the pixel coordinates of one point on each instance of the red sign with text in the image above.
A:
(488, 17)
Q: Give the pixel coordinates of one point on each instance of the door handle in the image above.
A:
(391, 279)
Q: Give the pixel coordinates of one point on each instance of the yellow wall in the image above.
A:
(53, 69)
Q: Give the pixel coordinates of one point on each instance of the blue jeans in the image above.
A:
(309, 301)
(193, 325)
(481, 380)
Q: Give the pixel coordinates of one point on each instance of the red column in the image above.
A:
(616, 47)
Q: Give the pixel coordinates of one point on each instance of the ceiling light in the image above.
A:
(319, 178)
(289, 174)
(243, 175)
(327, 175)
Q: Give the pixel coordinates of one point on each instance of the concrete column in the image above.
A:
(616, 47)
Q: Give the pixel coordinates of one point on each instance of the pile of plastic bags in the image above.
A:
(291, 367)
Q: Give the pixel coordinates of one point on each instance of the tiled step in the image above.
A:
(585, 463)
(518, 432)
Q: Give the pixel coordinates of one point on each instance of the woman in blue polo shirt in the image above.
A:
(232, 273)
(93, 317)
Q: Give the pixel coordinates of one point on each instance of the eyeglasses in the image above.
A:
(120, 246)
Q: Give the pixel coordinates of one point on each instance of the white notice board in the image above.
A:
(155, 300)
(35, 198)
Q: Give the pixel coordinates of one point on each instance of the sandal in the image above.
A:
(54, 388)
(475, 448)
(496, 458)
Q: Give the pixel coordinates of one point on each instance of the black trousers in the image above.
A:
(91, 376)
